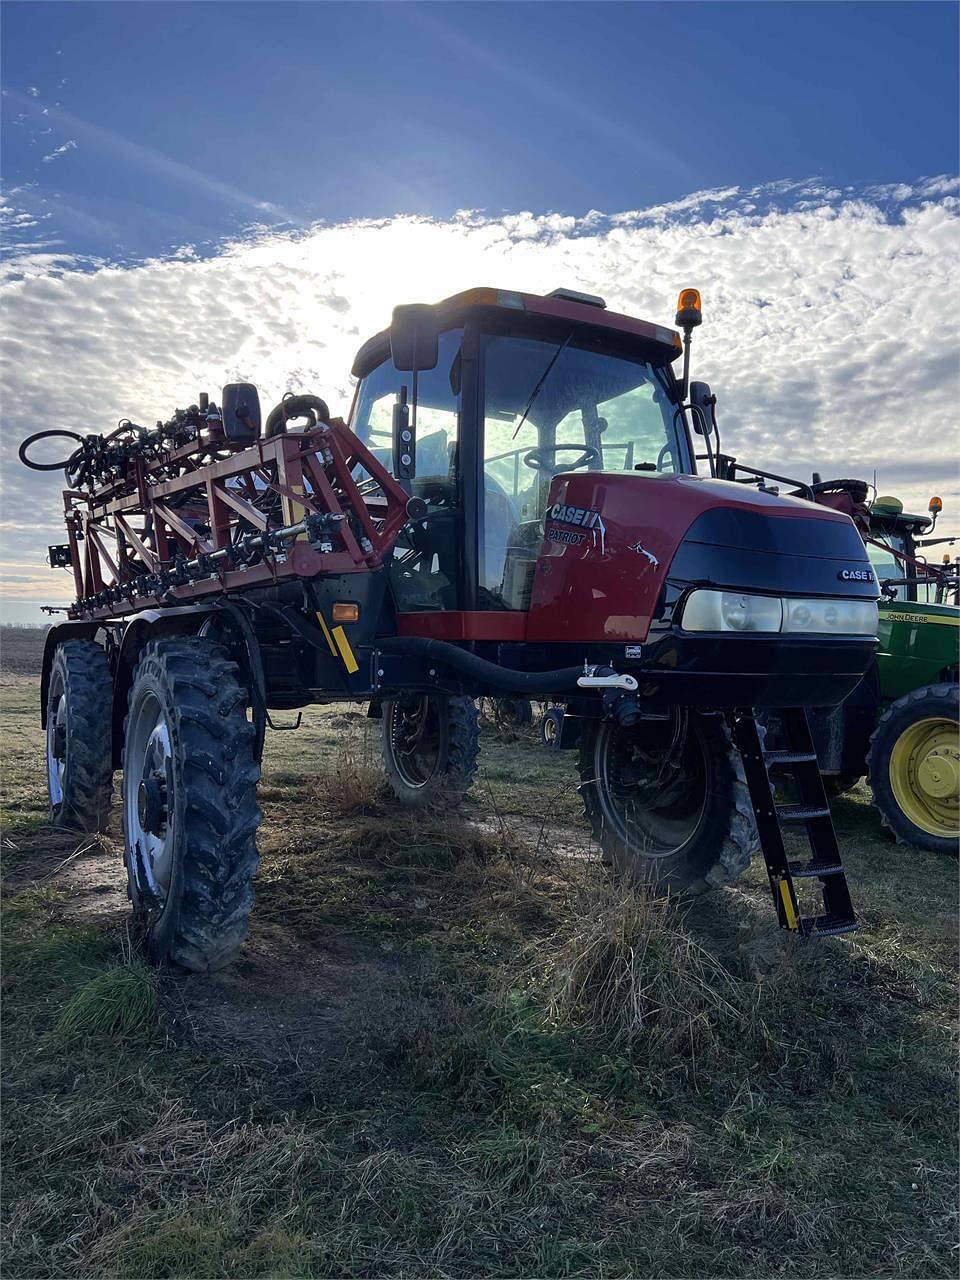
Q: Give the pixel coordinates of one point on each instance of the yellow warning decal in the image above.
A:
(788, 907)
(346, 653)
(326, 632)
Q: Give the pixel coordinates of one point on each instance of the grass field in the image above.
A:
(454, 1049)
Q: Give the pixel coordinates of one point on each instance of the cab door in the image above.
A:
(426, 570)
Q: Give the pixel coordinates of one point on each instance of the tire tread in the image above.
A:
(219, 857)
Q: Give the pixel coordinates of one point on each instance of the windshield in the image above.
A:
(552, 407)
(886, 565)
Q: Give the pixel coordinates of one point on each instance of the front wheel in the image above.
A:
(431, 745)
(668, 802)
(914, 764)
(190, 811)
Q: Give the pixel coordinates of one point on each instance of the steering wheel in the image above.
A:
(533, 458)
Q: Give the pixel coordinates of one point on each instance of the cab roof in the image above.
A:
(561, 304)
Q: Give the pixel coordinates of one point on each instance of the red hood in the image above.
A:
(610, 539)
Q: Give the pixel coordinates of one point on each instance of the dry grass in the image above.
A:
(452, 1048)
(628, 966)
(353, 783)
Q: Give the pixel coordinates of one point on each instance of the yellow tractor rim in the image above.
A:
(925, 775)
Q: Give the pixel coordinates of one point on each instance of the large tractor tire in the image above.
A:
(668, 802)
(79, 764)
(914, 765)
(431, 745)
(190, 811)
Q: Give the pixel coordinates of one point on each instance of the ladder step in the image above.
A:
(827, 926)
(789, 757)
(800, 869)
(801, 812)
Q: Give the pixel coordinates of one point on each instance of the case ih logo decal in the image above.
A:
(580, 516)
(855, 575)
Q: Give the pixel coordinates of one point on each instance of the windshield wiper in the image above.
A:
(540, 381)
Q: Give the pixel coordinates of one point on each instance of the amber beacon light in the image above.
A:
(689, 312)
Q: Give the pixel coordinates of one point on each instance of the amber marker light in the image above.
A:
(346, 611)
(689, 311)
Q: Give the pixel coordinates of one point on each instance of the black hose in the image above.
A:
(489, 674)
(290, 407)
(46, 435)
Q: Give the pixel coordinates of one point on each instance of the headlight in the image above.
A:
(731, 611)
(830, 617)
(739, 611)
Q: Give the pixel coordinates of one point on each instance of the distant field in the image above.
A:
(21, 649)
(451, 1049)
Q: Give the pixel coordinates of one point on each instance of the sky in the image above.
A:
(198, 192)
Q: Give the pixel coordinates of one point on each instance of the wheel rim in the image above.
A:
(925, 775)
(550, 729)
(416, 739)
(56, 745)
(148, 796)
(653, 798)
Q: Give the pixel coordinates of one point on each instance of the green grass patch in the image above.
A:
(115, 1003)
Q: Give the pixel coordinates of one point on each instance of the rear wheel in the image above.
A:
(190, 813)
(431, 745)
(668, 801)
(79, 720)
(914, 766)
(550, 727)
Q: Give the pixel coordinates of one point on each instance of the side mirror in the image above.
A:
(703, 402)
(414, 338)
(241, 412)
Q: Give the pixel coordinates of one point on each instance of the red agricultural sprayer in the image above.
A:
(516, 506)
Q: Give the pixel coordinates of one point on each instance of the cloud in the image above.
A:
(829, 333)
(71, 144)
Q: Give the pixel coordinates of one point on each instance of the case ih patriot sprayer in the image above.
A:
(512, 509)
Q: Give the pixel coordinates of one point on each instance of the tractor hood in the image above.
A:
(620, 549)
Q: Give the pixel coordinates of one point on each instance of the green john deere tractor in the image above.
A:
(900, 726)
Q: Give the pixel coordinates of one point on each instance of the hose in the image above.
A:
(46, 435)
(290, 407)
(490, 674)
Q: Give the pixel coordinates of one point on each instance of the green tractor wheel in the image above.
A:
(914, 765)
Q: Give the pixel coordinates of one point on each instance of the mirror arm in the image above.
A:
(404, 440)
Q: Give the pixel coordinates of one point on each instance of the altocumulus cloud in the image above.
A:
(830, 328)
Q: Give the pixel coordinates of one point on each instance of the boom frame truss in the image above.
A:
(292, 506)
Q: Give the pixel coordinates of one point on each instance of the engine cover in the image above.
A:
(619, 549)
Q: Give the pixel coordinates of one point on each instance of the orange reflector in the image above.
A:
(936, 504)
(346, 611)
